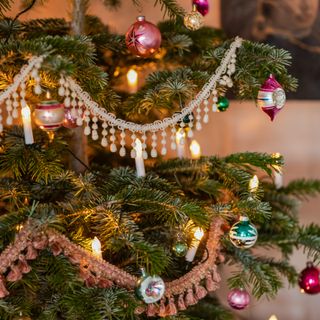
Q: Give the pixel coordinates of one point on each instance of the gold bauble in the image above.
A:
(193, 20)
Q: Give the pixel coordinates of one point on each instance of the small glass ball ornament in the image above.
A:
(238, 299)
(309, 279)
(150, 289)
(49, 115)
(143, 38)
(186, 119)
(271, 97)
(223, 103)
(180, 248)
(193, 20)
(243, 234)
(202, 6)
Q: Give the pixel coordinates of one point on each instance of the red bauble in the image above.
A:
(238, 299)
(143, 38)
(309, 279)
(70, 121)
(202, 6)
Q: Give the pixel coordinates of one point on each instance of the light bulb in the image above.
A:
(273, 317)
(138, 148)
(25, 112)
(195, 150)
(254, 184)
(96, 247)
(132, 78)
(198, 234)
(180, 136)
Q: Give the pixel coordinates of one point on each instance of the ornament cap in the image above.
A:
(244, 218)
(309, 264)
(194, 8)
(141, 18)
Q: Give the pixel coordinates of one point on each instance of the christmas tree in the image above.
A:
(84, 234)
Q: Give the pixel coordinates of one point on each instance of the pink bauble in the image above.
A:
(271, 97)
(238, 299)
(143, 38)
(70, 121)
(202, 6)
(49, 115)
(309, 279)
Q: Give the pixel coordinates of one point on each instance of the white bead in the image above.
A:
(154, 153)
(9, 121)
(122, 151)
(190, 133)
(214, 107)
(34, 73)
(61, 91)
(145, 155)
(164, 151)
(133, 153)
(15, 114)
(87, 130)
(113, 147)
(104, 142)
(79, 122)
(205, 118)
(173, 146)
(37, 89)
(23, 103)
(198, 126)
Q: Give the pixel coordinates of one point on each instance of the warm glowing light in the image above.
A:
(198, 234)
(132, 78)
(48, 95)
(19, 227)
(276, 155)
(273, 317)
(254, 184)
(96, 247)
(195, 150)
(141, 171)
(180, 136)
(47, 114)
(25, 112)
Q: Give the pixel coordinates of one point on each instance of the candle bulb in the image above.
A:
(141, 172)
(195, 150)
(273, 317)
(277, 174)
(254, 184)
(181, 141)
(132, 78)
(198, 234)
(96, 247)
(27, 126)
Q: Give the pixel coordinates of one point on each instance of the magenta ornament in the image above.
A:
(143, 38)
(202, 6)
(70, 120)
(309, 279)
(271, 97)
(238, 299)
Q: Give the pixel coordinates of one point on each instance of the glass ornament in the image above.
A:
(238, 299)
(193, 20)
(243, 234)
(309, 279)
(180, 248)
(223, 103)
(202, 6)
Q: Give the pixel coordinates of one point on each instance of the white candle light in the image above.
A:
(181, 143)
(277, 174)
(141, 171)
(254, 184)
(273, 317)
(96, 247)
(132, 78)
(27, 126)
(198, 234)
(195, 150)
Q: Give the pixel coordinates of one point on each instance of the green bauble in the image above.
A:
(180, 249)
(223, 103)
(243, 234)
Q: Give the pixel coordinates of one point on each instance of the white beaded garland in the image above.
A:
(83, 107)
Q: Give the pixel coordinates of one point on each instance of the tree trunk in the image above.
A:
(78, 143)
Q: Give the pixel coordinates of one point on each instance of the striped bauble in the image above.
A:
(243, 234)
(49, 115)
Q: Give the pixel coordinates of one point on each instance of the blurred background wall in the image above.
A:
(295, 133)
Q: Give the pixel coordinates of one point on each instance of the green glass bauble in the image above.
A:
(223, 103)
(243, 234)
(180, 249)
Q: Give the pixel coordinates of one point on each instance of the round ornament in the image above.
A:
(180, 248)
(143, 38)
(193, 20)
(271, 97)
(186, 119)
(238, 299)
(243, 234)
(150, 289)
(223, 103)
(69, 121)
(202, 6)
(309, 279)
(49, 115)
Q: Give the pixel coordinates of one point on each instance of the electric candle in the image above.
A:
(195, 150)
(96, 247)
(27, 126)
(132, 78)
(141, 172)
(254, 184)
(198, 234)
(277, 174)
(181, 141)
